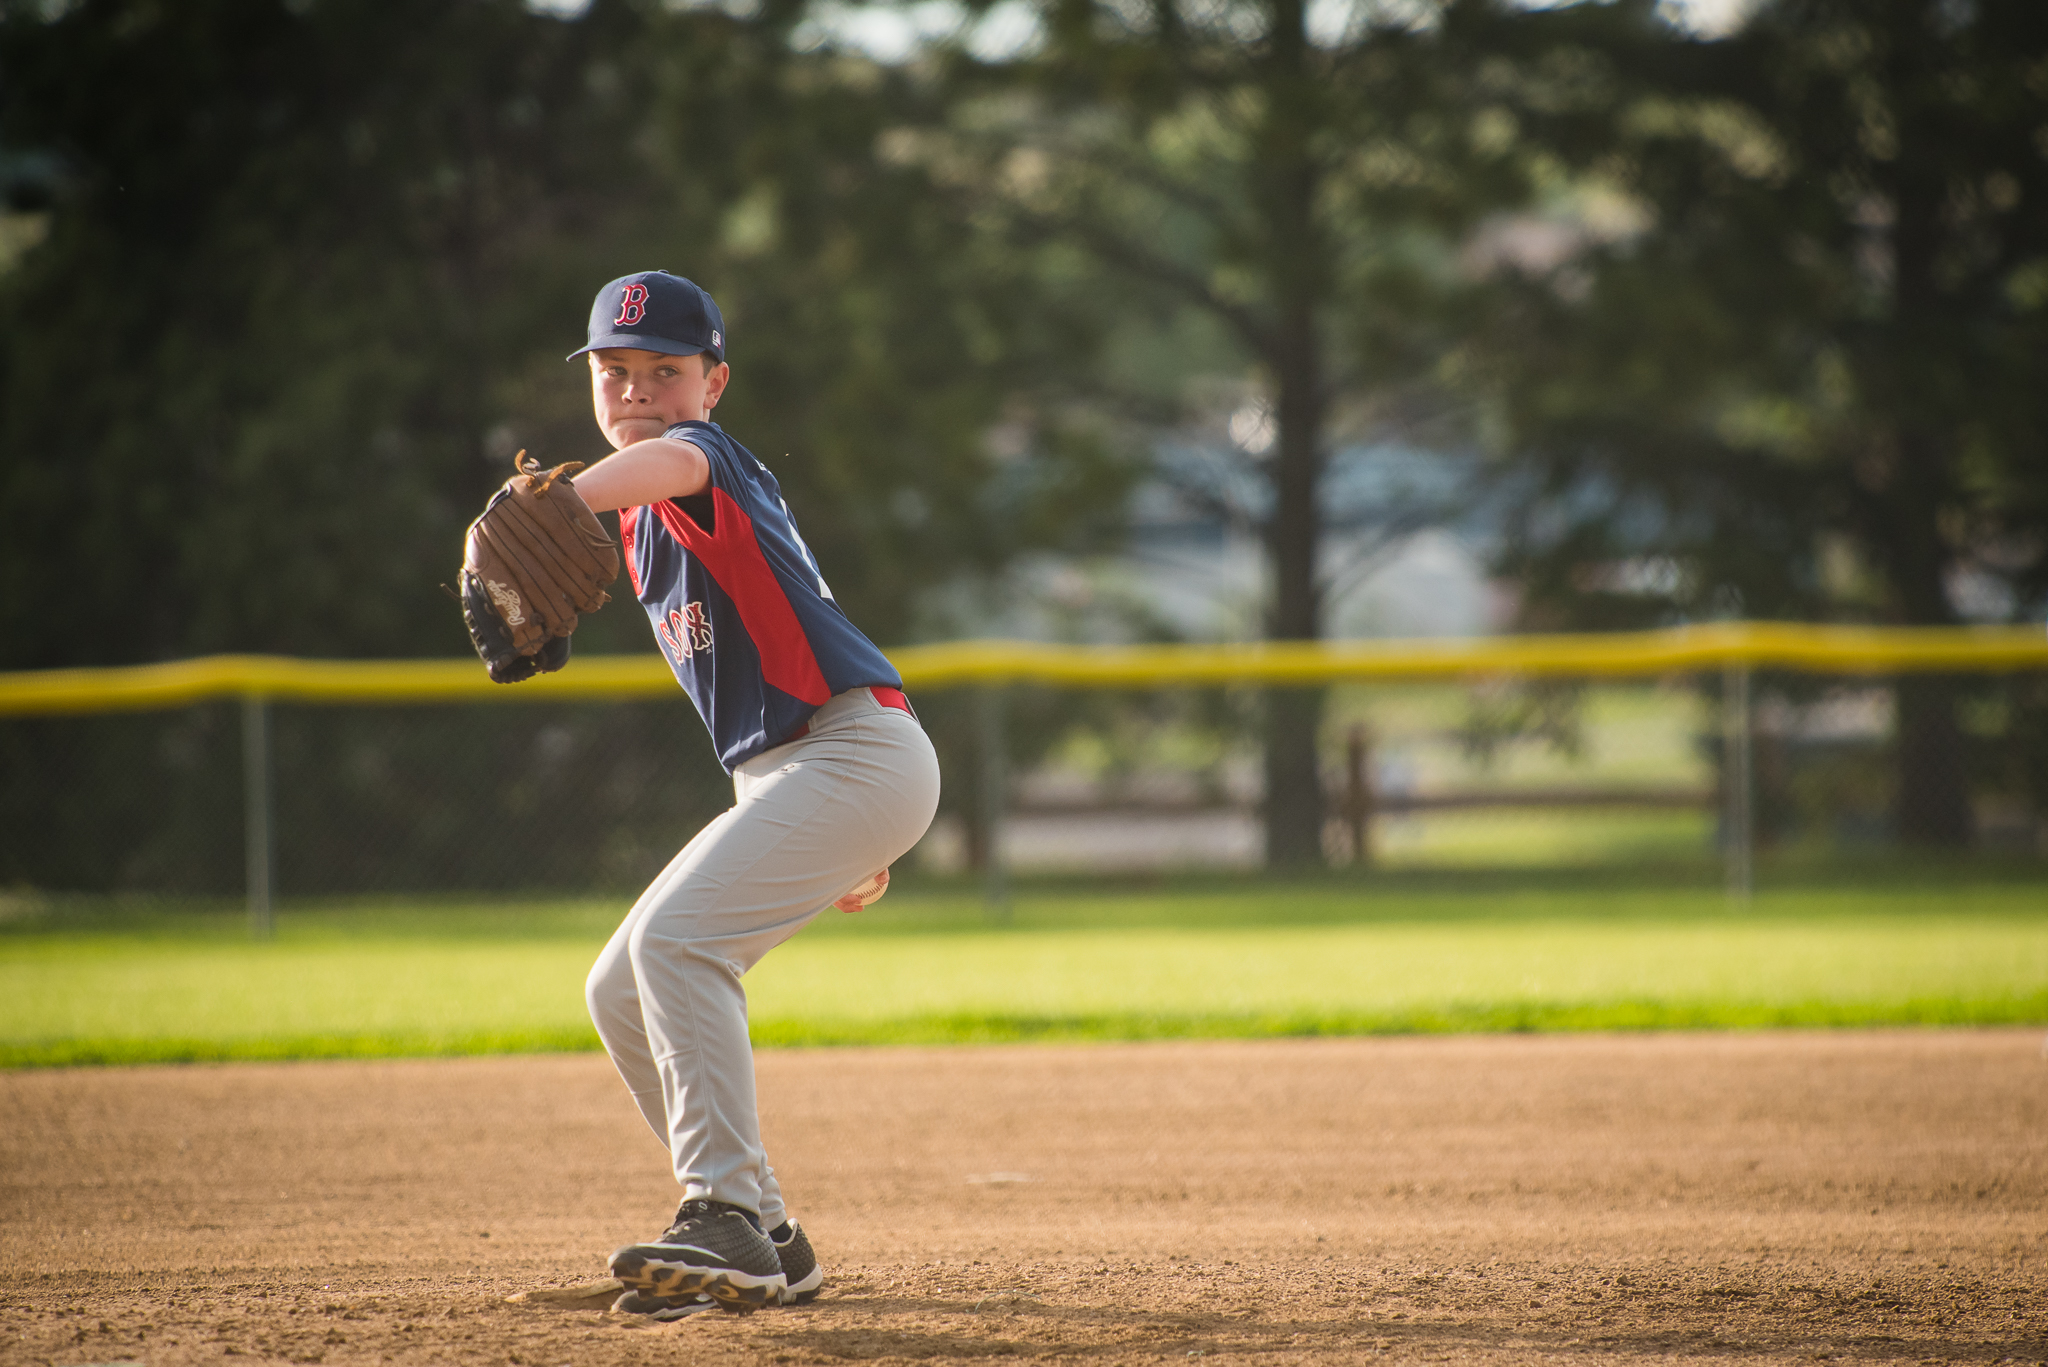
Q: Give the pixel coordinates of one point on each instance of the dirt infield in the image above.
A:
(1854, 1197)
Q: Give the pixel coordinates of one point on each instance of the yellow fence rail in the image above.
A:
(1754, 645)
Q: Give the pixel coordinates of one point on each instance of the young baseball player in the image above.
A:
(833, 779)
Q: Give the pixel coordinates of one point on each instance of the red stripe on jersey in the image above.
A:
(733, 558)
(629, 523)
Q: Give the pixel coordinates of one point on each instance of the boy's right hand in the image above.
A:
(870, 891)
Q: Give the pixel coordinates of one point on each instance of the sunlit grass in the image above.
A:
(1630, 733)
(1491, 837)
(104, 983)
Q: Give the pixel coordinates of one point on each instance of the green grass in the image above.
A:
(1533, 838)
(105, 982)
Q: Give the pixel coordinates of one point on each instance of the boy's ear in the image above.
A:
(718, 375)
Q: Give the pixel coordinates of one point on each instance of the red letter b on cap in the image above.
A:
(632, 305)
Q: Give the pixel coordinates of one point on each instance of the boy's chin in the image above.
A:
(624, 434)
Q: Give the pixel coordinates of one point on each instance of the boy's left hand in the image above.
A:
(870, 891)
(530, 564)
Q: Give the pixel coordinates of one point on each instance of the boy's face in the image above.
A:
(641, 394)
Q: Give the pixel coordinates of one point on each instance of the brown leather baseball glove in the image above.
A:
(536, 558)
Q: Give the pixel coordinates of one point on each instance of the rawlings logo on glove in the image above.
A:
(536, 558)
(506, 602)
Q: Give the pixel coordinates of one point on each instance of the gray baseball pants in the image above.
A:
(812, 820)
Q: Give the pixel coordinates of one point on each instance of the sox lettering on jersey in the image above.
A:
(632, 305)
(686, 632)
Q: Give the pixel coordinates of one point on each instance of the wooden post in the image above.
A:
(1358, 794)
(1738, 816)
(258, 829)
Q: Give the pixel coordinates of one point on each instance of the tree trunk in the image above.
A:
(1294, 787)
(1932, 806)
(1294, 781)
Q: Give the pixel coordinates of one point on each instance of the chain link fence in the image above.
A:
(1682, 770)
(560, 796)
(1140, 765)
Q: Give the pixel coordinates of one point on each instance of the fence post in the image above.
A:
(1738, 816)
(1358, 793)
(259, 840)
(994, 790)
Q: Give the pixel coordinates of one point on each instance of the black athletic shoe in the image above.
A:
(712, 1249)
(664, 1308)
(799, 1265)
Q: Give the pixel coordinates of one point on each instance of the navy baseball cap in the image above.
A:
(655, 311)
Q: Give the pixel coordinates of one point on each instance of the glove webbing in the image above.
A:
(588, 574)
(591, 538)
(529, 556)
(544, 604)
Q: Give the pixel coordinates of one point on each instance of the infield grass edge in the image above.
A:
(975, 1028)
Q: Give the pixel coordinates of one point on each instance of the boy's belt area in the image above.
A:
(886, 696)
(892, 697)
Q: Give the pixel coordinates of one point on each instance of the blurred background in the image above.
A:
(1068, 320)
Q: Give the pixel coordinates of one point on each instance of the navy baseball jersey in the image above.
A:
(739, 605)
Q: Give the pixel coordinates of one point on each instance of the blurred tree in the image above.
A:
(310, 270)
(1804, 376)
(901, 368)
(284, 283)
(1288, 182)
(247, 375)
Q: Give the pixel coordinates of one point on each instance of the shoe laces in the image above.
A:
(702, 1208)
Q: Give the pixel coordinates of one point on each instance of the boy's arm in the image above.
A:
(645, 472)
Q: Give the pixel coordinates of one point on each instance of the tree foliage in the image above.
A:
(1295, 186)
(1807, 382)
(1751, 325)
(310, 271)
(299, 277)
